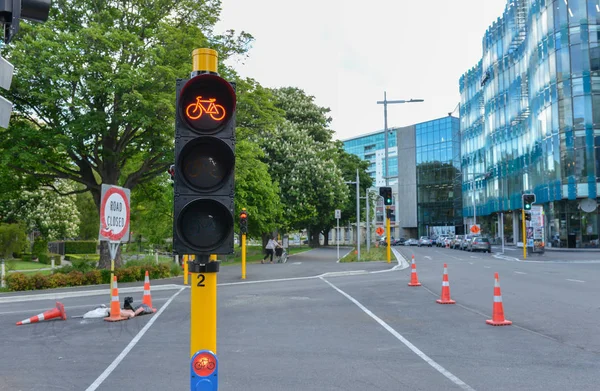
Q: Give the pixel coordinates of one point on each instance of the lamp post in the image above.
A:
(386, 102)
(357, 183)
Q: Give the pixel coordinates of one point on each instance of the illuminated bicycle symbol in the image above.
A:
(204, 363)
(208, 106)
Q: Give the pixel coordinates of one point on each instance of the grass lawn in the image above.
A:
(25, 265)
(376, 254)
(44, 272)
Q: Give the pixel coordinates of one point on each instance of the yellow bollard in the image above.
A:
(203, 308)
(185, 269)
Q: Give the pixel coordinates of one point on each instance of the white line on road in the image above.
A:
(69, 307)
(428, 257)
(488, 267)
(128, 348)
(406, 342)
(520, 272)
(96, 292)
(568, 279)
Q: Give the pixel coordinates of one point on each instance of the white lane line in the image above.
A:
(406, 342)
(128, 348)
(428, 257)
(568, 279)
(96, 292)
(67, 307)
(520, 272)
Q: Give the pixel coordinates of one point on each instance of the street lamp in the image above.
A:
(386, 102)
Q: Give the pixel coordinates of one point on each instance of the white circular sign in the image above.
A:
(114, 214)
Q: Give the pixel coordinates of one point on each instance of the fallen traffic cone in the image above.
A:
(445, 299)
(59, 311)
(498, 310)
(414, 279)
(115, 305)
(147, 298)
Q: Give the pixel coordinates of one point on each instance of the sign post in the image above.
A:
(114, 219)
(338, 215)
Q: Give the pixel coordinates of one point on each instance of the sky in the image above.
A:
(346, 53)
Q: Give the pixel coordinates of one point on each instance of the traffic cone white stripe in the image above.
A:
(146, 291)
(115, 298)
(445, 283)
(497, 299)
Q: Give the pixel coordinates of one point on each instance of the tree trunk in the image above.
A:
(104, 262)
(313, 238)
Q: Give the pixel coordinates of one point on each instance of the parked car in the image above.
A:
(464, 244)
(479, 243)
(411, 242)
(398, 242)
(448, 241)
(456, 241)
(440, 240)
(425, 241)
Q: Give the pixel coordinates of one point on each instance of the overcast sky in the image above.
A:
(346, 53)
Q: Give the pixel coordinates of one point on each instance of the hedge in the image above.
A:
(46, 259)
(81, 247)
(26, 282)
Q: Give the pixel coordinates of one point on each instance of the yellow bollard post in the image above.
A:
(203, 305)
(243, 256)
(387, 232)
(524, 235)
(185, 269)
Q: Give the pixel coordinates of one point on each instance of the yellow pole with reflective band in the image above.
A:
(203, 311)
(387, 232)
(203, 292)
(243, 256)
(186, 270)
(524, 234)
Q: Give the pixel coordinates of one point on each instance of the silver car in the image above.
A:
(425, 241)
(479, 243)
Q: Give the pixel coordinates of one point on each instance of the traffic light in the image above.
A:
(528, 216)
(12, 11)
(386, 193)
(528, 200)
(244, 221)
(204, 165)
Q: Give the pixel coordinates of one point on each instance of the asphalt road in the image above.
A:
(314, 324)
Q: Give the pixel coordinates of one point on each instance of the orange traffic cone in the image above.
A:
(445, 299)
(59, 311)
(115, 305)
(414, 279)
(498, 310)
(147, 298)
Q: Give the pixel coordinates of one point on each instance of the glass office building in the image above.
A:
(432, 190)
(530, 119)
(439, 203)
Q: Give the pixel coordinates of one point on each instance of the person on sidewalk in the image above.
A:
(270, 249)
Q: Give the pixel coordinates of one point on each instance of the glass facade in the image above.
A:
(366, 148)
(438, 176)
(530, 117)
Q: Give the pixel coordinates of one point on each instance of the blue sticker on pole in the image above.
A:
(204, 369)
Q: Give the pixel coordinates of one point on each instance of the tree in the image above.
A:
(94, 89)
(54, 216)
(311, 184)
(89, 222)
(13, 239)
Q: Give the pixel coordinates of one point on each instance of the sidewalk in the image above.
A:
(556, 249)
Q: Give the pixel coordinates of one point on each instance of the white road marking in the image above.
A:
(296, 263)
(520, 272)
(428, 257)
(128, 348)
(488, 267)
(96, 292)
(406, 342)
(67, 307)
(474, 256)
(568, 279)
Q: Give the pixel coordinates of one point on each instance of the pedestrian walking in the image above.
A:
(272, 244)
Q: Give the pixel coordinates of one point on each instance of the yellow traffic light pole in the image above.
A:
(387, 232)
(204, 269)
(524, 234)
(243, 256)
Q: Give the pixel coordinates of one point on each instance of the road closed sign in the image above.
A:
(114, 214)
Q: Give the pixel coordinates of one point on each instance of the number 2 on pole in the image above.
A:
(201, 277)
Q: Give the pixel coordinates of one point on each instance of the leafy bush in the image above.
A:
(128, 274)
(18, 282)
(44, 258)
(83, 265)
(93, 277)
(27, 257)
(40, 247)
(13, 239)
(81, 247)
(105, 274)
(93, 258)
(175, 270)
(75, 278)
(58, 280)
(39, 281)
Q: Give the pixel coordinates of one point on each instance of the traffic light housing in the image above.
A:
(244, 221)
(528, 201)
(12, 11)
(204, 165)
(386, 193)
(527, 216)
